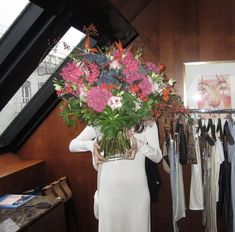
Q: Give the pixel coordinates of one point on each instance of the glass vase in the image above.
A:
(115, 148)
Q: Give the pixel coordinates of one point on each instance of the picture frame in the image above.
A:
(209, 85)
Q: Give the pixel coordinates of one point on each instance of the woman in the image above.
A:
(123, 194)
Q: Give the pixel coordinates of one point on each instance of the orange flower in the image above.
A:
(87, 44)
(119, 46)
(63, 104)
(166, 94)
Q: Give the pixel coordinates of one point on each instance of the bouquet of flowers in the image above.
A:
(113, 90)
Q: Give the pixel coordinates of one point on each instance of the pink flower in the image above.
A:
(92, 72)
(97, 98)
(143, 83)
(145, 86)
(72, 73)
(129, 62)
(133, 76)
(152, 67)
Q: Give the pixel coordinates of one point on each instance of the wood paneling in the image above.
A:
(50, 142)
(21, 176)
(8, 159)
(172, 32)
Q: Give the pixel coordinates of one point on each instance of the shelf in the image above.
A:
(18, 166)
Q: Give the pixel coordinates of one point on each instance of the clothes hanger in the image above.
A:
(209, 124)
(205, 136)
(219, 128)
(199, 121)
(213, 132)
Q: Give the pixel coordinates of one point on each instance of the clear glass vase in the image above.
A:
(115, 148)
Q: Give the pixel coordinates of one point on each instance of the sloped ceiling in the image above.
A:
(110, 24)
(57, 16)
(130, 8)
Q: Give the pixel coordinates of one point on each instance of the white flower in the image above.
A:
(155, 86)
(57, 87)
(171, 82)
(137, 105)
(115, 102)
(114, 65)
(83, 93)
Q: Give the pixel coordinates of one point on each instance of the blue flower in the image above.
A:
(109, 77)
(97, 58)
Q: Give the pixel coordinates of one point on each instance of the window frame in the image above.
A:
(32, 41)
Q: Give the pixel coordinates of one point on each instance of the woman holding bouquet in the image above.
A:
(123, 194)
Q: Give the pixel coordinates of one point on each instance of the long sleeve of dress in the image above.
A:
(84, 142)
(151, 147)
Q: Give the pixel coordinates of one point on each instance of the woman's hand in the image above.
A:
(99, 159)
(132, 151)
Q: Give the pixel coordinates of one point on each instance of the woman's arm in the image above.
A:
(151, 149)
(84, 141)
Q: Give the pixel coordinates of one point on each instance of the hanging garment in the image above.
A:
(196, 189)
(206, 188)
(191, 149)
(229, 134)
(209, 194)
(231, 158)
(177, 185)
(213, 157)
(224, 204)
(171, 155)
(180, 197)
(182, 144)
(219, 159)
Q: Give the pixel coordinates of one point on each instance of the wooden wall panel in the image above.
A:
(171, 32)
(216, 18)
(50, 142)
(22, 180)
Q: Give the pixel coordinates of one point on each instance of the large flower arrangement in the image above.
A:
(113, 90)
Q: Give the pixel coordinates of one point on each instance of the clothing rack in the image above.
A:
(212, 111)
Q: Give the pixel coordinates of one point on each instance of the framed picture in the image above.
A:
(209, 85)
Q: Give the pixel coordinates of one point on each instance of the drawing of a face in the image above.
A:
(214, 92)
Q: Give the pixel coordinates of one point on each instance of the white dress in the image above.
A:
(124, 199)
(196, 185)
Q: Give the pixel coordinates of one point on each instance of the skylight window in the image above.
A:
(40, 76)
(10, 10)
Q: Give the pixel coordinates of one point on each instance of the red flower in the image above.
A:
(107, 86)
(161, 67)
(134, 88)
